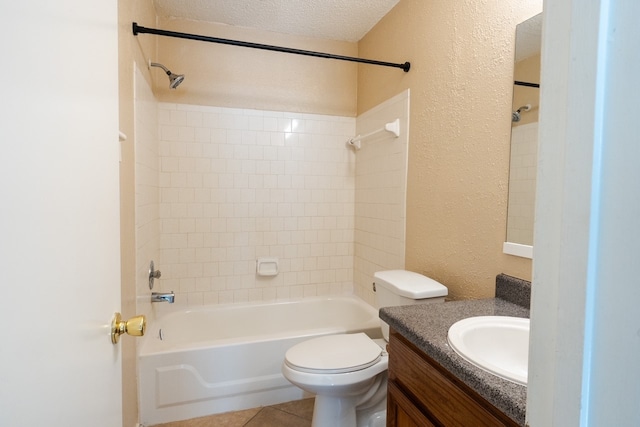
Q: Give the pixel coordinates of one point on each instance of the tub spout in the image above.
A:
(163, 297)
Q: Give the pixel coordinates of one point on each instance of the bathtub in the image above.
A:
(221, 358)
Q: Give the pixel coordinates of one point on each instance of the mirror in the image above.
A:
(524, 138)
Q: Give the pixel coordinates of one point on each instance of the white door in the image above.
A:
(59, 214)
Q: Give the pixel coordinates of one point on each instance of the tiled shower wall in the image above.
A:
(381, 190)
(522, 183)
(237, 185)
(147, 189)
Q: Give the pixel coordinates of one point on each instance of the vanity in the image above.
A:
(431, 385)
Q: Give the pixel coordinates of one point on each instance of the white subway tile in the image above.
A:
(268, 183)
(178, 118)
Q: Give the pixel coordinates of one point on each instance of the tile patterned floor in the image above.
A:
(291, 414)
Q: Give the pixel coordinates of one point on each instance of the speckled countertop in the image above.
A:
(426, 326)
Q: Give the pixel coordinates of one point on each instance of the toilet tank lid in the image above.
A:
(409, 284)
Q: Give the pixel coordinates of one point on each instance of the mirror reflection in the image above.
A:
(524, 134)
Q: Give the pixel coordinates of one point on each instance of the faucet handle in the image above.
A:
(153, 274)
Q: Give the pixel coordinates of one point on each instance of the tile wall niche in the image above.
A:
(522, 183)
(381, 189)
(236, 185)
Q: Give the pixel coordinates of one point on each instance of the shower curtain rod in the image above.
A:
(518, 83)
(137, 29)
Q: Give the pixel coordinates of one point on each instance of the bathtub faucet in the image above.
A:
(160, 297)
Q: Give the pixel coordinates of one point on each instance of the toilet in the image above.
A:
(348, 372)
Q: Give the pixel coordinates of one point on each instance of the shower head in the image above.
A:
(174, 79)
(516, 115)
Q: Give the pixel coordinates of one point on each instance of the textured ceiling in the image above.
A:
(347, 20)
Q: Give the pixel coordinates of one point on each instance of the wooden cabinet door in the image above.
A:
(401, 412)
(423, 393)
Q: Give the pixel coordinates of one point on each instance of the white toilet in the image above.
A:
(348, 372)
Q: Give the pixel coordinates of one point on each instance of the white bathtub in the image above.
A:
(224, 358)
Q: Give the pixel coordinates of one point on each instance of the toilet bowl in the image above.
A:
(344, 372)
(348, 372)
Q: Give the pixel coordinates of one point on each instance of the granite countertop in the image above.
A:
(427, 325)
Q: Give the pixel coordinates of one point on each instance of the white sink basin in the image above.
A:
(497, 344)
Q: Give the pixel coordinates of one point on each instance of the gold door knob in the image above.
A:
(134, 327)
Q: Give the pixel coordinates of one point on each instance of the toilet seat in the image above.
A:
(334, 354)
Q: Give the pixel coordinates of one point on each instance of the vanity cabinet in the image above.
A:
(421, 393)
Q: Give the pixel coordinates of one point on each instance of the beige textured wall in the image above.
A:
(231, 76)
(461, 91)
(130, 49)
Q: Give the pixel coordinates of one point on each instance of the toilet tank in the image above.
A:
(402, 287)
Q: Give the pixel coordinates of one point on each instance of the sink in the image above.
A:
(496, 344)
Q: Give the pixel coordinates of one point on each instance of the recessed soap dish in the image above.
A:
(267, 266)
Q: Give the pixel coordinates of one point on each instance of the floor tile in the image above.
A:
(302, 408)
(230, 419)
(290, 414)
(270, 417)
